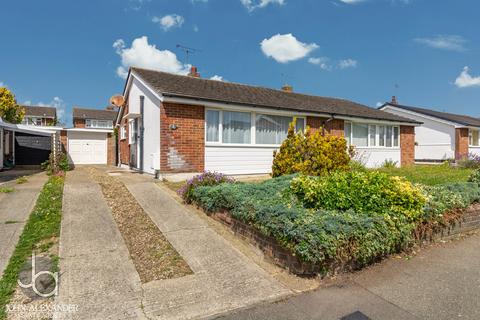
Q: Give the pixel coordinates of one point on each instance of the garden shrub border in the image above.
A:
(274, 252)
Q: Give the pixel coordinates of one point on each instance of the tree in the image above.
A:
(9, 109)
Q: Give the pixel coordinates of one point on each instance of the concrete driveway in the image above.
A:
(441, 282)
(15, 208)
(100, 278)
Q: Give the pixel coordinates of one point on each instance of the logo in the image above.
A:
(44, 283)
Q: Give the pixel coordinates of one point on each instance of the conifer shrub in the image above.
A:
(310, 154)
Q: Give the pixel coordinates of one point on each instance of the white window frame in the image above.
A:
(470, 138)
(95, 124)
(377, 135)
(132, 139)
(123, 132)
(253, 115)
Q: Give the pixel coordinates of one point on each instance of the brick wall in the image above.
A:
(63, 140)
(461, 143)
(182, 149)
(407, 145)
(123, 145)
(111, 150)
(79, 123)
(334, 127)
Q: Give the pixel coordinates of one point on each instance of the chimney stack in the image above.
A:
(194, 72)
(394, 100)
(287, 88)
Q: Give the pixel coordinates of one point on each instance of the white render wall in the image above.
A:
(239, 160)
(435, 139)
(151, 121)
(235, 160)
(375, 157)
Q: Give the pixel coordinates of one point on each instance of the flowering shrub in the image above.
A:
(471, 162)
(205, 179)
(310, 153)
(367, 191)
(475, 177)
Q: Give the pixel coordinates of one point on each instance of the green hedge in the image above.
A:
(345, 218)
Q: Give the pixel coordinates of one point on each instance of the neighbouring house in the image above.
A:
(39, 116)
(442, 135)
(171, 123)
(91, 140)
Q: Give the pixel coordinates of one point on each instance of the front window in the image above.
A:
(372, 135)
(123, 132)
(474, 137)
(234, 127)
(92, 123)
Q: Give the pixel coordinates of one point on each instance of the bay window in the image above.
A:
(474, 137)
(236, 127)
(372, 135)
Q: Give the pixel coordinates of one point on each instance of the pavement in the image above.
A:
(10, 175)
(99, 277)
(15, 208)
(440, 282)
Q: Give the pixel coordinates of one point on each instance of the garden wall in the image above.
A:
(282, 257)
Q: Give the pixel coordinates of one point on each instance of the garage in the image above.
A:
(87, 147)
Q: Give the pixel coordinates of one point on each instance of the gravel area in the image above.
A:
(153, 256)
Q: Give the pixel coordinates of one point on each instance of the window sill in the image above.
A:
(241, 145)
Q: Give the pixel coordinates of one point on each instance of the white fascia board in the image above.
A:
(144, 83)
(238, 107)
(456, 125)
(90, 130)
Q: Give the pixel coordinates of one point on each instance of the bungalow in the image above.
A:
(171, 123)
(443, 135)
(91, 140)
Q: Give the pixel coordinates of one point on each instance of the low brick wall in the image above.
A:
(282, 257)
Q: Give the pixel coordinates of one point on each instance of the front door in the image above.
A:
(133, 145)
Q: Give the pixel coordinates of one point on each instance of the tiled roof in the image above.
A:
(40, 111)
(452, 117)
(168, 84)
(98, 114)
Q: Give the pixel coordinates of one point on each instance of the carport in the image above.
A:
(23, 145)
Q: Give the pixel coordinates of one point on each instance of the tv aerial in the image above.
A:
(188, 51)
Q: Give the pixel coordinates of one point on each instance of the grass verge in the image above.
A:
(6, 190)
(43, 223)
(430, 174)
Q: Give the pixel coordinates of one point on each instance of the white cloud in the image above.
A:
(137, 4)
(57, 103)
(195, 28)
(3, 84)
(285, 48)
(201, 1)
(444, 42)
(351, 1)
(256, 4)
(144, 55)
(169, 21)
(465, 80)
(379, 104)
(322, 62)
(217, 78)
(347, 63)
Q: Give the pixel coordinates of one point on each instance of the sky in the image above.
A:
(69, 53)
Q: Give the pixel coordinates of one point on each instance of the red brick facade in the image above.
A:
(461, 143)
(111, 150)
(182, 138)
(407, 145)
(334, 126)
(79, 123)
(123, 145)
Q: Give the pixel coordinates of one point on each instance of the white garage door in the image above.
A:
(87, 147)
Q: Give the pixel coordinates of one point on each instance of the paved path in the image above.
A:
(99, 277)
(442, 282)
(224, 279)
(16, 207)
(97, 274)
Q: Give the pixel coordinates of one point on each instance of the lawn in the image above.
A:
(430, 174)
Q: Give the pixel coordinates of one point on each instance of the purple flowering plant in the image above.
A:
(207, 178)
